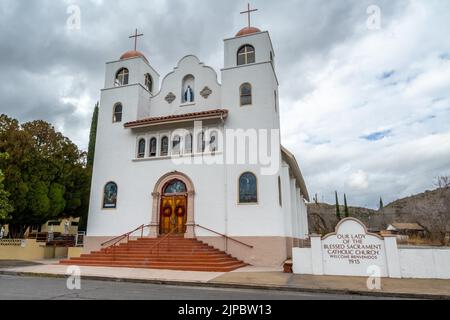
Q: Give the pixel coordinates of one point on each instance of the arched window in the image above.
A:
(246, 55)
(188, 89)
(110, 196)
(201, 145)
(176, 145)
(248, 188)
(164, 147)
(175, 186)
(148, 82)
(153, 147)
(141, 149)
(246, 94)
(122, 77)
(213, 141)
(188, 144)
(117, 116)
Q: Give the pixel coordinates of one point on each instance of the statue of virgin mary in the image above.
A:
(189, 95)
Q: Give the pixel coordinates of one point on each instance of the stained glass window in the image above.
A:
(248, 188)
(188, 144)
(201, 145)
(153, 147)
(110, 196)
(246, 94)
(213, 142)
(164, 147)
(176, 145)
(175, 186)
(141, 149)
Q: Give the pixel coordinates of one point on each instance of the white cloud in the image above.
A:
(359, 180)
(392, 85)
(330, 68)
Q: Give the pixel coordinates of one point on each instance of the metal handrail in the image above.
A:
(167, 236)
(126, 235)
(225, 236)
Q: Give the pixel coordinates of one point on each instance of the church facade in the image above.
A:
(191, 156)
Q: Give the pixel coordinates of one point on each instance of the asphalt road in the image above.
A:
(30, 288)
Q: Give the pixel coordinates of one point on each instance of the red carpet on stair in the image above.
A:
(176, 253)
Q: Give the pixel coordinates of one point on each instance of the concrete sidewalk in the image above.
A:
(248, 278)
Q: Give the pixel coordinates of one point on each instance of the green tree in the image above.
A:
(5, 205)
(347, 212)
(381, 204)
(45, 174)
(93, 137)
(338, 209)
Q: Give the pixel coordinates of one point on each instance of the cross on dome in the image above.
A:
(249, 12)
(249, 29)
(136, 36)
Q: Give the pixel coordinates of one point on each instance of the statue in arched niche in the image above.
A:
(189, 95)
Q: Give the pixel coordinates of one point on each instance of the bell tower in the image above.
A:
(249, 63)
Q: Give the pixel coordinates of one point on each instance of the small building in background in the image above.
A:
(67, 226)
(406, 230)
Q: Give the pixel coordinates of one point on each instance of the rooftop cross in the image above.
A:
(249, 11)
(135, 36)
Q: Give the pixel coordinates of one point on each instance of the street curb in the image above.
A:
(230, 285)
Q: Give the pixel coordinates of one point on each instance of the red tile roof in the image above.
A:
(219, 113)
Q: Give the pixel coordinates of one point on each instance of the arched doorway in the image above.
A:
(173, 213)
(173, 206)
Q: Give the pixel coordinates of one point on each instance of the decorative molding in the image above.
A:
(206, 92)
(170, 97)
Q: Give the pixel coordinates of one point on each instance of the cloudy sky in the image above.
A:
(366, 110)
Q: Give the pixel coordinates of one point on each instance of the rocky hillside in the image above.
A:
(430, 209)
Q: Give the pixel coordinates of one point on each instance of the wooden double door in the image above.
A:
(173, 214)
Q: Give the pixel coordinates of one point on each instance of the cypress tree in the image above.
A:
(92, 138)
(347, 213)
(381, 204)
(338, 209)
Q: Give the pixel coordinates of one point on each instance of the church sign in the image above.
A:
(351, 250)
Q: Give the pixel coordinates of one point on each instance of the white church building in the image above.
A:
(193, 156)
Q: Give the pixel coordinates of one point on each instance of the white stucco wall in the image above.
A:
(426, 263)
(406, 262)
(216, 199)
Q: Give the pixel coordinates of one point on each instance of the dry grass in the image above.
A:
(419, 241)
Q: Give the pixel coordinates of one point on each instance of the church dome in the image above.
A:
(247, 31)
(132, 54)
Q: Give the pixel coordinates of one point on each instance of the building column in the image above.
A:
(316, 255)
(154, 224)
(190, 225)
(392, 257)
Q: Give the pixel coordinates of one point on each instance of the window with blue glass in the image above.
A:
(110, 196)
(248, 188)
(175, 186)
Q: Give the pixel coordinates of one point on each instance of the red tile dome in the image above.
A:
(132, 54)
(247, 31)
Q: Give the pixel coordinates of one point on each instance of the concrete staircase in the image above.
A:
(172, 253)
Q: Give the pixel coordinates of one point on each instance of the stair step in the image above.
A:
(175, 254)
